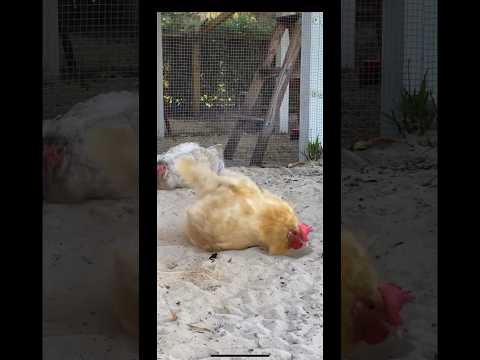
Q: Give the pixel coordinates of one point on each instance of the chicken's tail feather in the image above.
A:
(197, 176)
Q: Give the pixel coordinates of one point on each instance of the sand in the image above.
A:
(275, 307)
(78, 322)
(247, 301)
(242, 302)
(389, 197)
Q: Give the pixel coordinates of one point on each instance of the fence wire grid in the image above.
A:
(219, 80)
(361, 69)
(420, 55)
(97, 50)
(364, 32)
(207, 77)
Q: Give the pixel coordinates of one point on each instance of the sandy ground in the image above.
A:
(247, 301)
(280, 313)
(77, 268)
(242, 302)
(389, 197)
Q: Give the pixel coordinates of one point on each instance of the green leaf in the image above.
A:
(417, 109)
(314, 150)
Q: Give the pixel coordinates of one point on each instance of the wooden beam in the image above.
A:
(270, 73)
(196, 76)
(259, 79)
(284, 108)
(254, 91)
(248, 118)
(279, 92)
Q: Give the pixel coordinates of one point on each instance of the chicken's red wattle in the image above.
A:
(53, 155)
(161, 169)
(394, 297)
(301, 239)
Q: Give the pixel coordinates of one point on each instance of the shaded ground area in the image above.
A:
(389, 197)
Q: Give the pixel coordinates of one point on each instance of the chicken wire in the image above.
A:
(410, 33)
(420, 44)
(94, 50)
(207, 75)
(311, 94)
(361, 69)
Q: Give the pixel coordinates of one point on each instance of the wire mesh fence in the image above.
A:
(361, 69)
(402, 47)
(211, 68)
(94, 48)
(420, 44)
(220, 73)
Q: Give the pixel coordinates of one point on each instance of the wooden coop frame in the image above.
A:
(285, 44)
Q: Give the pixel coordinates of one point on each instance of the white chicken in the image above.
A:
(92, 150)
(168, 177)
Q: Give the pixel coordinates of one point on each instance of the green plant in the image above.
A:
(255, 24)
(314, 150)
(417, 110)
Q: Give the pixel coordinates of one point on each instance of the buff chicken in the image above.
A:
(370, 307)
(233, 213)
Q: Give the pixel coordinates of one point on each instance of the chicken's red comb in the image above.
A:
(394, 297)
(304, 231)
(52, 154)
(298, 239)
(161, 169)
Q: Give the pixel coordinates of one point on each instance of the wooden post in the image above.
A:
(160, 112)
(196, 73)
(311, 81)
(284, 107)
(278, 94)
(51, 43)
(259, 78)
(253, 92)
